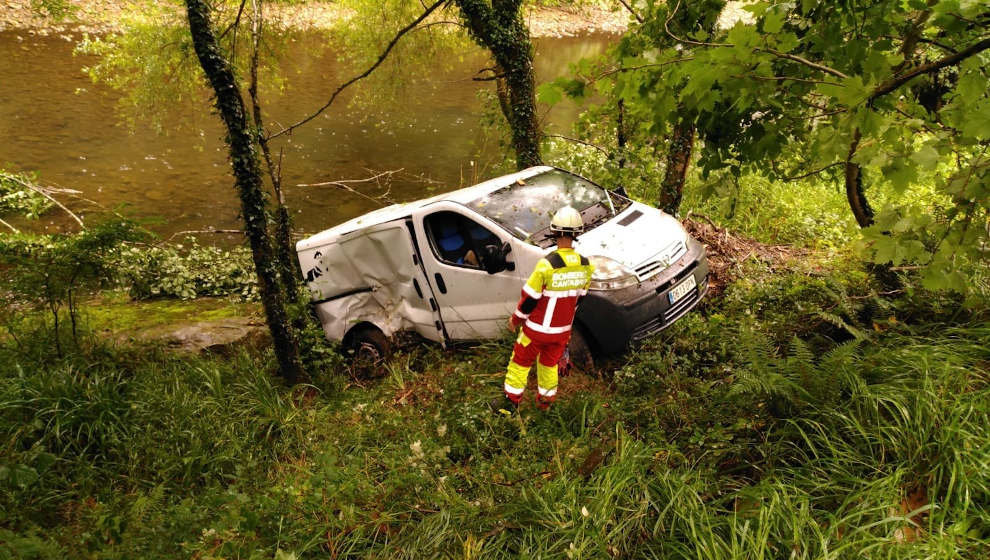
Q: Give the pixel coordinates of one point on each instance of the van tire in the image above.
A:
(580, 351)
(368, 349)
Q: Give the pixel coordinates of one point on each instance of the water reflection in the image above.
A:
(55, 121)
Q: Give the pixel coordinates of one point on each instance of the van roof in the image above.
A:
(405, 209)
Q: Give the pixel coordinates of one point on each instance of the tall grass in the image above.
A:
(879, 448)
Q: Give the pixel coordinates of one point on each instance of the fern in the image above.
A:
(838, 321)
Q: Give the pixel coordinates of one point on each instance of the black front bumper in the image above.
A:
(615, 318)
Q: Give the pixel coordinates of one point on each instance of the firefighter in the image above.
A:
(546, 313)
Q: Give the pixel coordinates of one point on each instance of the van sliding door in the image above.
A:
(473, 303)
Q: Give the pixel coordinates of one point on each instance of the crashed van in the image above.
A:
(451, 267)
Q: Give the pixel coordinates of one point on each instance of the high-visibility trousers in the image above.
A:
(546, 351)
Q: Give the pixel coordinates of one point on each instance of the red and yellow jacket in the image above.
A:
(550, 296)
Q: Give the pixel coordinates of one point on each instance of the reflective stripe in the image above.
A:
(547, 392)
(531, 292)
(520, 314)
(548, 314)
(512, 390)
(564, 293)
(547, 330)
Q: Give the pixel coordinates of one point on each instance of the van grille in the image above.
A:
(670, 315)
(659, 262)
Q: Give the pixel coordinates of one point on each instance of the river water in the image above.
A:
(56, 122)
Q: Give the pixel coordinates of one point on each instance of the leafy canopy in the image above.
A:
(897, 87)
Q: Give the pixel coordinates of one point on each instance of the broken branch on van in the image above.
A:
(366, 73)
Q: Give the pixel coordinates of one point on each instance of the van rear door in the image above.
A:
(375, 275)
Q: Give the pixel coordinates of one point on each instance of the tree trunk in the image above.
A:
(685, 18)
(247, 179)
(678, 160)
(501, 29)
(855, 194)
(620, 132)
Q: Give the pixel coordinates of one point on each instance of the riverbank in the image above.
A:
(105, 16)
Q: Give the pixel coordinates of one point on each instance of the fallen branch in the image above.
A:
(344, 184)
(198, 231)
(692, 213)
(44, 191)
(12, 228)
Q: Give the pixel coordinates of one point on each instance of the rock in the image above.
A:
(223, 336)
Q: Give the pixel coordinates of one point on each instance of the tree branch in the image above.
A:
(768, 50)
(630, 9)
(197, 231)
(804, 61)
(582, 142)
(898, 81)
(785, 78)
(344, 184)
(381, 58)
(666, 28)
(12, 228)
(815, 172)
(44, 192)
(608, 73)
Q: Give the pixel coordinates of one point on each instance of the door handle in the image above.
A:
(440, 285)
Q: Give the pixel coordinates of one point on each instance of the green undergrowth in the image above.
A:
(807, 414)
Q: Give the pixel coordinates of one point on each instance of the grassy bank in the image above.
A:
(801, 416)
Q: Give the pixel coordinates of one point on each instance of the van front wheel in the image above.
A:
(368, 349)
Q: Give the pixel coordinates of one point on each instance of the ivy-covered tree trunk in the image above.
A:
(247, 179)
(678, 160)
(499, 27)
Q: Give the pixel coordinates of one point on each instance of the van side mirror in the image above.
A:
(621, 191)
(493, 258)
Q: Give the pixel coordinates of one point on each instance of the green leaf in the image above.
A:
(773, 22)
(926, 158)
(976, 124)
(550, 93)
(884, 250)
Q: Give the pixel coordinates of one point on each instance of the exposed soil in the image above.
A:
(104, 16)
(727, 250)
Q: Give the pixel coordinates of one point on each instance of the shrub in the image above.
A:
(186, 271)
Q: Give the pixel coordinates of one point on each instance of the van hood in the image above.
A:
(639, 235)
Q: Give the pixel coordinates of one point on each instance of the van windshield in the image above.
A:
(525, 207)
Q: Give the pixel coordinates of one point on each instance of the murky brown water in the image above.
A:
(53, 120)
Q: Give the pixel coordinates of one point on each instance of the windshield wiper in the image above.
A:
(608, 195)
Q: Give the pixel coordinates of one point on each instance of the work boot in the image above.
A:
(502, 406)
(544, 403)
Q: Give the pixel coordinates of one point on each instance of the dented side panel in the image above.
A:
(371, 275)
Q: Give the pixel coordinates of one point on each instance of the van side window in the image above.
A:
(458, 240)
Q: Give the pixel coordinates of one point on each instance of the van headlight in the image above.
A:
(610, 274)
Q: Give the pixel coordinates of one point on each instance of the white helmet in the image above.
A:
(567, 220)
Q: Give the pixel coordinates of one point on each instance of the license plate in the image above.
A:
(682, 289)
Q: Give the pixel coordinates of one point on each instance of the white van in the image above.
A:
(451, 267)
